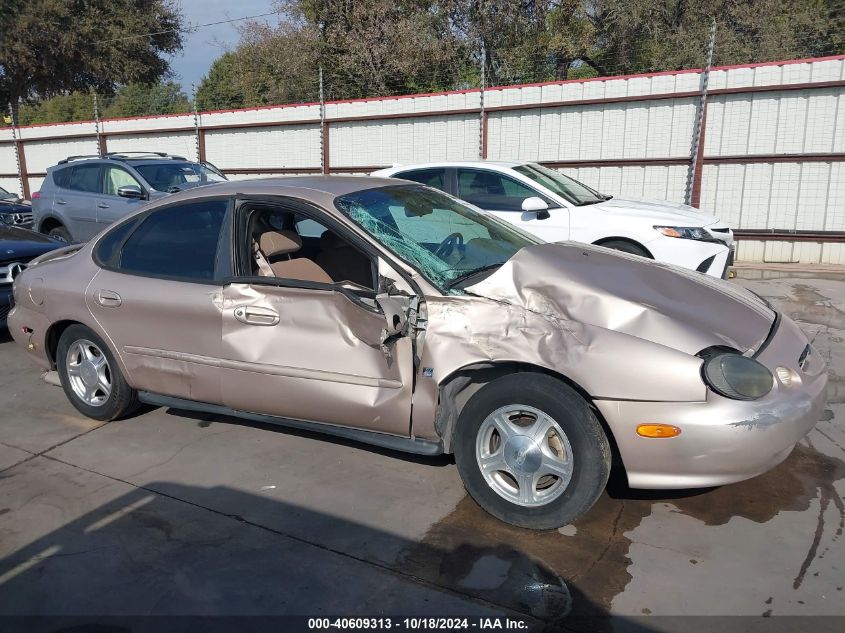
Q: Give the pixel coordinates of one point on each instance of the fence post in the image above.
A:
(692, 194)
(20, 158)
(101, 140)
(199, 134)
(324, 130)
(482, 120)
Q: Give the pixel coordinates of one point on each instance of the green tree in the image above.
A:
(220, 88)
(381, 46)
(366, 48)
(655, 35)
(139, 100)
(76, 106)
(52, 47)
(385, 47)
(528, 40)
(268, 66)
(131, 100)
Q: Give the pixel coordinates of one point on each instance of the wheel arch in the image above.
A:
(52, 336)
(628, 240)
(457, 388)
(50, 222)
(57, 328)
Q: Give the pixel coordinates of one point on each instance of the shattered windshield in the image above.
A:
(438, 235)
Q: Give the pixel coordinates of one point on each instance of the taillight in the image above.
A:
(36, 195)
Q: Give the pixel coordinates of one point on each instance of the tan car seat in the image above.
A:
(275, 243)
(343, 262)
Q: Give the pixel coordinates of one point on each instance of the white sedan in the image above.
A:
(557, 208)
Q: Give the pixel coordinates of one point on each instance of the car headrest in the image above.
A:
(329, 241)
(279, 243)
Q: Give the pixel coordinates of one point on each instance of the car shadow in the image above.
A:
(156, 551)
(204, 420)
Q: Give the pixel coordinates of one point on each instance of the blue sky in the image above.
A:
(204, 45)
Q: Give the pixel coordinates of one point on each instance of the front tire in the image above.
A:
(60, 233)
(90, 376)
(531, 452)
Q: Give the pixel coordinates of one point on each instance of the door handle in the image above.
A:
(61, 201)
(256, 315)
(102, 205)
(108, 298)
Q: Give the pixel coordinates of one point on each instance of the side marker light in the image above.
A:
(658, 430)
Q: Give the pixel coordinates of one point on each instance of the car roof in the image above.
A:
(312, 188)
(479, 164)
(129, 158)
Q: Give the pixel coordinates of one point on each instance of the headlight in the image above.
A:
(684, 232)
(737, 377)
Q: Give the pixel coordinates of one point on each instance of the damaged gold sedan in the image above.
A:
(393, 314)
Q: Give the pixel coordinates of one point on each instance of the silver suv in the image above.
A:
(83, 194)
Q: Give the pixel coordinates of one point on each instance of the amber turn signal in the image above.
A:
(658, 430)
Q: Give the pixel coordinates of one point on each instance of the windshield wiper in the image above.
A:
(471, 273)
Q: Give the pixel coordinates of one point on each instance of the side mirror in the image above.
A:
(538, 206)
(131, 191)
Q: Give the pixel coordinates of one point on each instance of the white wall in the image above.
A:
(799, 195)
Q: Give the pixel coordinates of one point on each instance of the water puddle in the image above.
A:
(578, 570)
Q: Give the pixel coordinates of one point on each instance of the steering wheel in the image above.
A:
(449, 244)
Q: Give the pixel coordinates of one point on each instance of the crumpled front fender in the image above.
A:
(468, 330)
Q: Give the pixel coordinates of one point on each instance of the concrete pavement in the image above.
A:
(176, 513)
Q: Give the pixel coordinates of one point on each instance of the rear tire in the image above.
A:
(60, 233)
(551, 460)
(626, 247)
(90, 376)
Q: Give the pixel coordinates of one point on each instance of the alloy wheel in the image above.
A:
(524, 455)
(88, 372)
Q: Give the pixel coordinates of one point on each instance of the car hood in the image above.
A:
(657, 302)
(17, 242)
(658, 211)
(12, 205)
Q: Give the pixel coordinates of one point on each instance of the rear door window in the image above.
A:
(176, 242)
(84, 178)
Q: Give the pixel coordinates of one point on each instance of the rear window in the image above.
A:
(61, 177)
(434, 177)
(107, 248)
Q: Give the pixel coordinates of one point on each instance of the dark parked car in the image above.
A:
(18, 246)
(13, 210)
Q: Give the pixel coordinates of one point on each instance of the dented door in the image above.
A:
(314, 354)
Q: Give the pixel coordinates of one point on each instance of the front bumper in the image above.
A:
(22, 219)
(723, 441)
(710, 258)
(6, 303)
